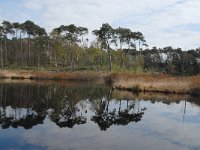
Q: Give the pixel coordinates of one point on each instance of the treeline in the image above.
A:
(172, 61)
(27, 45)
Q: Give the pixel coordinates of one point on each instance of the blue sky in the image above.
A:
(163, 22)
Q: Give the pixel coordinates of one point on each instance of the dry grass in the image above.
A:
(155, 83)
(124, 80)
(195, 81)
(170, 85)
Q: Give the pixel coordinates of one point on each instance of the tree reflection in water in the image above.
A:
(27, 105)
(68, 117)
(27, 122)
(16, 108)
(105, 117)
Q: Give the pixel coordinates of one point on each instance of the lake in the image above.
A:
(86, 116)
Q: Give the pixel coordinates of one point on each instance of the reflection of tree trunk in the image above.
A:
(107, 106)
(138, 106)
(184, 112)
(21, 98)
(28, 99)
(5, 95)
(1, 95)
(120, 105)
(38, 90)
(16, 95)
(110, 93)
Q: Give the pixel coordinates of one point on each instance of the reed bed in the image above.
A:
(155, 83)
(145, 82)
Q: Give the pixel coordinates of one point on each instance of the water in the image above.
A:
(77, 116)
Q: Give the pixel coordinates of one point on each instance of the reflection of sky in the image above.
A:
(12, 139)
(17, 113)
(161, 127)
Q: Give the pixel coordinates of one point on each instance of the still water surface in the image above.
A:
(78, 116)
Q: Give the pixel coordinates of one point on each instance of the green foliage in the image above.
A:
(139, 64)
(27, 45)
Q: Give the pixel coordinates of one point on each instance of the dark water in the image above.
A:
(94, 117)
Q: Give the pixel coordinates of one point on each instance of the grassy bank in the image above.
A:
(155, 83)
(158, 83)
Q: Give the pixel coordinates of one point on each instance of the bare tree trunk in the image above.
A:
(101, 61)
(122, 56)
(110, 93)
(16, 48)
(56, 62)
(110, 58)
(110, 62)
(135, 44)
(72, 57)
(84, 57)
(16, 52)
(6, 53)
(84, 51)
(2, 64)
(38, 60)
(120, 104)
(29, 51)
(48, 46)
(139, 45)
(38, 57)
(71, 60)
(21, 49)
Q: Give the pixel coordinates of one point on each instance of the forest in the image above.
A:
(67, 48)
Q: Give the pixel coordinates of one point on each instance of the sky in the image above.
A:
(173, 23)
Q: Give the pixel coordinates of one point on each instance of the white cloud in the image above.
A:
(153, 18)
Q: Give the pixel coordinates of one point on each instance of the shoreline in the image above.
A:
(125, 81)
(55, 76)
(158, 83)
